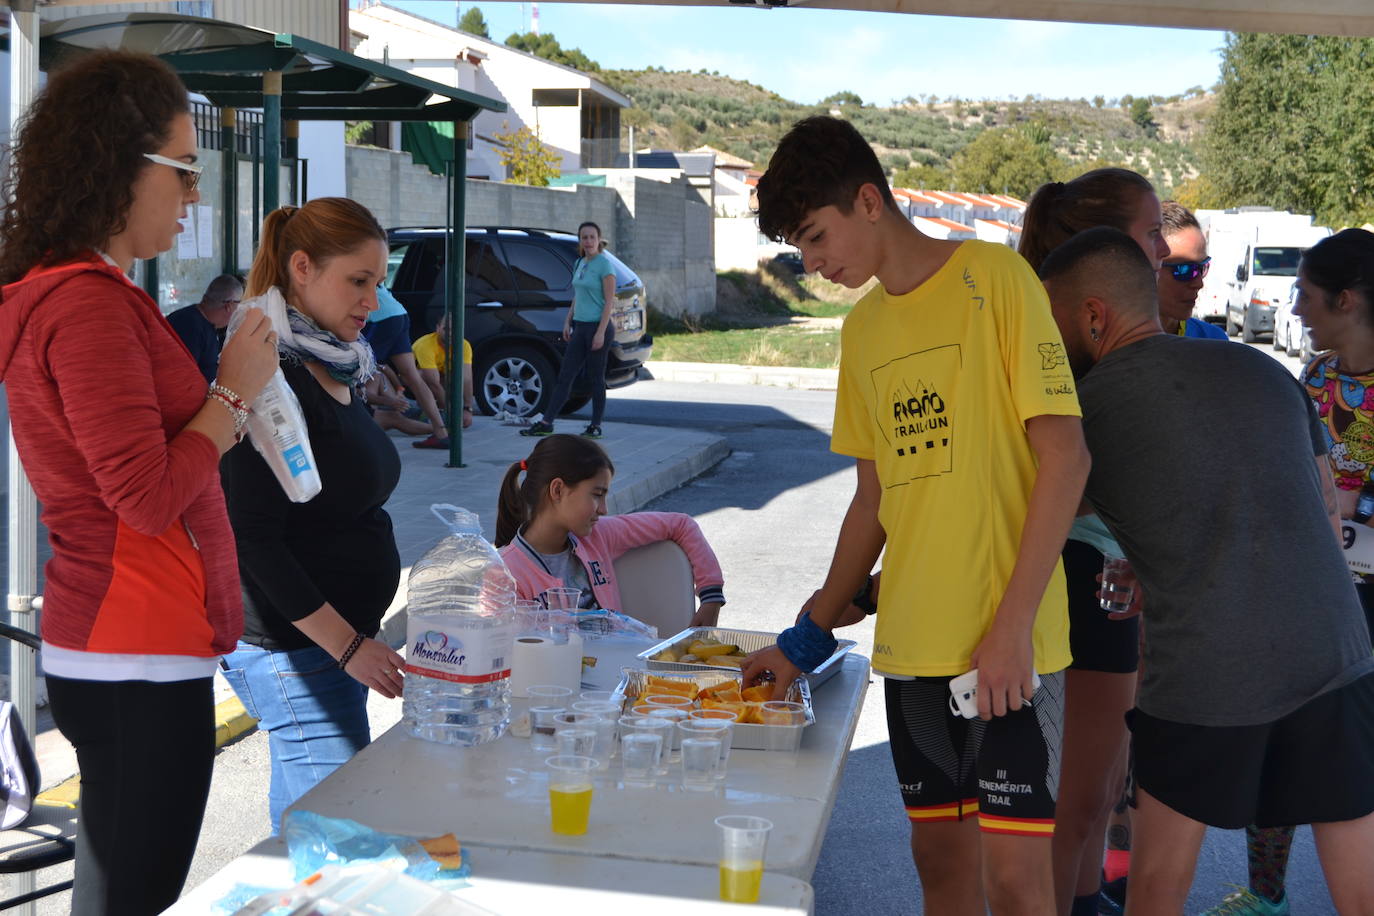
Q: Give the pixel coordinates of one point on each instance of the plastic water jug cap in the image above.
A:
(458, 519)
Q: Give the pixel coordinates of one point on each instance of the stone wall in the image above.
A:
(661, 229)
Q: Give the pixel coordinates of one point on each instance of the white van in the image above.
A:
(1255, 257)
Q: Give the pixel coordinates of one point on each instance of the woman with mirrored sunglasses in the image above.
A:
(1182, 273)
(121, 437)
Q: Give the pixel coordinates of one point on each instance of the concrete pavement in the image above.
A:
(649, 461)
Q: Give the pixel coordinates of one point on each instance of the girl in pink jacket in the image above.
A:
(553, 531)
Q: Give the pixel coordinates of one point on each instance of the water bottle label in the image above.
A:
(296, 461)
(449, 651)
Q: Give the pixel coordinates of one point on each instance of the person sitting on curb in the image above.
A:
(431, 356)
(201, 326)
(388, 333)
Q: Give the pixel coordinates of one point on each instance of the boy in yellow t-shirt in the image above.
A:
(431, 357)
(958, 405)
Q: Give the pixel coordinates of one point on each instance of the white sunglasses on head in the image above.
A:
(190, 174)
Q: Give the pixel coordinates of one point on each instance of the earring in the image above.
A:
(1092, 332)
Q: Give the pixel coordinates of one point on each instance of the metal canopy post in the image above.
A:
(455, 241)
(22, 559)
(229, 189)
(271, 141)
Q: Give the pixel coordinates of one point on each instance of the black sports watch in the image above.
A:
(863, 600)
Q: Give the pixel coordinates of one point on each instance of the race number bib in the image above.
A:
(1358, 541)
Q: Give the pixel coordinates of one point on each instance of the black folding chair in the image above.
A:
(47, 836)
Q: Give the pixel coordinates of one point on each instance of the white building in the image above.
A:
(573, 113)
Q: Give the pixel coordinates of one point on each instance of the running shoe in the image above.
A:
(1245, 902)
(542, 428)
(432, 442)
(592, 432)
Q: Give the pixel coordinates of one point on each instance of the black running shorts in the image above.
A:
(1005, 771)
(1311, 766)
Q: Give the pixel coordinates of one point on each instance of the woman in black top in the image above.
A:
(317, 576)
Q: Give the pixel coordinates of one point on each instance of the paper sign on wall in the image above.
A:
(205, 231)
(186, 241)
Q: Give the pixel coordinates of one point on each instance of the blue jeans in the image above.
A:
(314, 714)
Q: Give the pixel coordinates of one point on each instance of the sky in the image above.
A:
(806, 54)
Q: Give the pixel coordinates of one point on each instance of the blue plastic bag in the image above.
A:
(314, 841)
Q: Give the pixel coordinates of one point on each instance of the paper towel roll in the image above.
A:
(542, 660)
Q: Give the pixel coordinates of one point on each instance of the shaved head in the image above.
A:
(1104, 264)
(1101, 286)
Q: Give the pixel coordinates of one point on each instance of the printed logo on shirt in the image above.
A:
(919, 426)
(597, 577)
(1052, 355)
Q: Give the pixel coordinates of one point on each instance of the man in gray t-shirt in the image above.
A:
(1257, 704)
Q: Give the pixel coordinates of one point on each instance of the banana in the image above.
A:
(667, 655)
(705, 651)
(725, 661)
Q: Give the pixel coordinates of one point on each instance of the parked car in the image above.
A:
(791, 261)
(1288, 329)
(518, 291)
(1256, 254)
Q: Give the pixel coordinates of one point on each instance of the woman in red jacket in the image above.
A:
(122, 442)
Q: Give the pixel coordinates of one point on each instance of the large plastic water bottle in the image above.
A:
(460, 632)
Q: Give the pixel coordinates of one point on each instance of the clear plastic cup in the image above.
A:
(700, 760)
(542, 728)
(562, 599)
(743, 839)
(598, 696)
(640, 753)
(608, 714)
(720, 726)
(1118, 585)
(570, 792)
(783, 721)
(668, 701)
(576, 741)
(654, 725)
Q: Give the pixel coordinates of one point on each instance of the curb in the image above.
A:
(734, 374)
(231, 721)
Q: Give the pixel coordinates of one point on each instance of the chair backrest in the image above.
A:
(656, 586)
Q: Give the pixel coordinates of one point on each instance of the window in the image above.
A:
(537, 268)
(484, 271)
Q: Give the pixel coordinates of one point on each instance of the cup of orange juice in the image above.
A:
(570, 792)
(743, 839)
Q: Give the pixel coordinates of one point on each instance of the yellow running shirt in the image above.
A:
(935, 387)
(429, 353)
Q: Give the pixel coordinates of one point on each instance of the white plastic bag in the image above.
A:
(276, 426)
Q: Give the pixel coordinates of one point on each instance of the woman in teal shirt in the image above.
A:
(587, 331)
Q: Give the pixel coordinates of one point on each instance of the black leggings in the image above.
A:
(146, 750)
(579, 354)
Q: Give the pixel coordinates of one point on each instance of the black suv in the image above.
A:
(518, 290)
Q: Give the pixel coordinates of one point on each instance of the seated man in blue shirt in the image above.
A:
(201, 326)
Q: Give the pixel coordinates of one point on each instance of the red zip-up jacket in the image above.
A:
(100, 388)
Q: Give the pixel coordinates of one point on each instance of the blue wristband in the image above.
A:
(806, 645)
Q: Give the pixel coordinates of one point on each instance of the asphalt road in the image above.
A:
(771, 511)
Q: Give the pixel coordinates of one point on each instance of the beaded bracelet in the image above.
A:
(233, 403)
(351, 650)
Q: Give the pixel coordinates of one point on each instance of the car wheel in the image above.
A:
(1247, 335)
(517, 381)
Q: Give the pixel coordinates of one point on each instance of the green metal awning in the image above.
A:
(225, 63)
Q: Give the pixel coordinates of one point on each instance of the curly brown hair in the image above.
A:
(821, 162)
(79, 151)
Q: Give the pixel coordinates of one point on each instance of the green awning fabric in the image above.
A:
(567, 181)
(430, 143)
